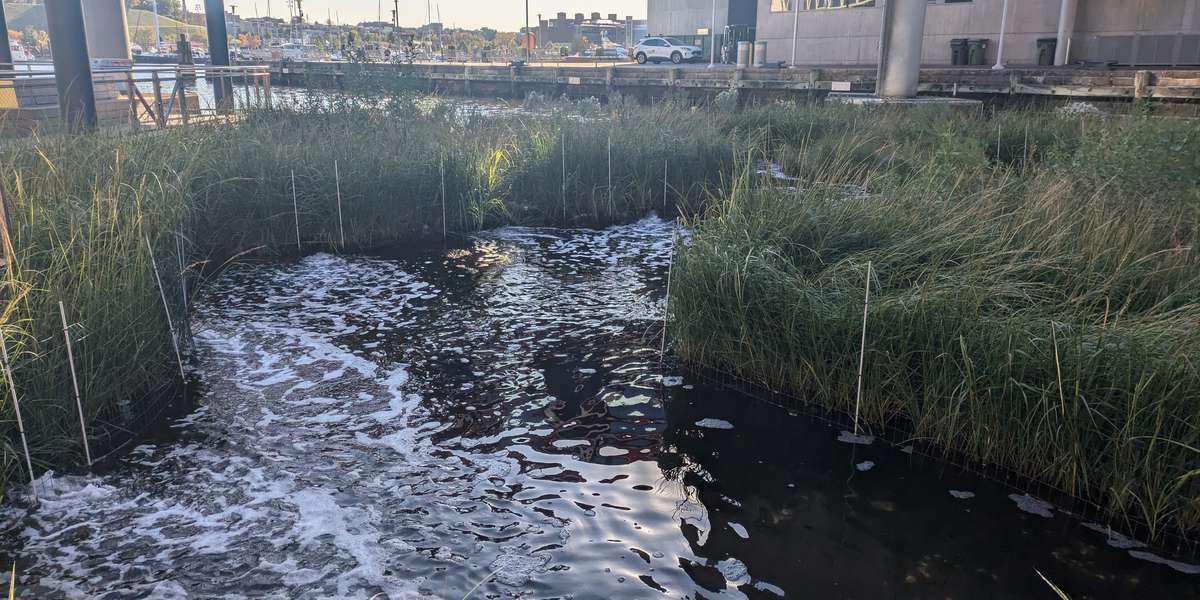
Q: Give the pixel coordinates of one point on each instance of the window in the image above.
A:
(783, 5)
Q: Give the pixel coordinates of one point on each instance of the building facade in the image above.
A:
(1126, 32)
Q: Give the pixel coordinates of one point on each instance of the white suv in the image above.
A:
(657, 49)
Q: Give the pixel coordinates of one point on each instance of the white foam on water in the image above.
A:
(740, 530)
(1182, 567)
(734, 571)
(961, 495)
(714, 424)
(1115, 539)
(865, 466)
(847, 437)
(763, 586)
(1033, 505)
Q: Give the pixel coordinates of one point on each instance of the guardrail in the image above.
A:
(139, 98)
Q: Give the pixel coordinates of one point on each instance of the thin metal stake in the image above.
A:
(296, 214)
(862, 354)
(564, 176)
(610, 185)
(337, 181)
(166, 310)
(87, 451)
(662, 351)
(665, 184)
(442, 170)
(12, 388)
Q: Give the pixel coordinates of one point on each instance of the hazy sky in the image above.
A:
(505, 15)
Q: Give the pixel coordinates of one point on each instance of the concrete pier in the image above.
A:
(107, 29)
(900, 48)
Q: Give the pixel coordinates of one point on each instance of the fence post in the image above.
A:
(87, 451)
(160, 119)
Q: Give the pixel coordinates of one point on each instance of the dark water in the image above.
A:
(417, 424)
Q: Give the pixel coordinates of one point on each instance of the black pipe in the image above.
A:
(218, 50)
(72, 68)
(5, 49)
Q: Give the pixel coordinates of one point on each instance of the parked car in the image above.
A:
(658, 49)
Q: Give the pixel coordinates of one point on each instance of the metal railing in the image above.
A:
(139, 98)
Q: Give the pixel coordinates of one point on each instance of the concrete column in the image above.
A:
(1066, 31)
(72, 69)
(6, 51)
(900, 48)
(107, 29)
(218, 51)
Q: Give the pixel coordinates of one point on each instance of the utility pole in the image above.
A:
(72, 67)
(795, 28)
(157, 34)
(396, 13)
(712, 30)
(528, 50)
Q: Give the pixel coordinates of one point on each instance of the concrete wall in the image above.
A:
(685, 17)
(1103, 28)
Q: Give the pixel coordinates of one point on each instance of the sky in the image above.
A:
(503, 15)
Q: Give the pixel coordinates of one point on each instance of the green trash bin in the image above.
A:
(1046, 47)
(976, 52)
(958, 52)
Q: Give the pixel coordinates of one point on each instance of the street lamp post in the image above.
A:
(999, 66)
(528, 50)
(712, 30)
(795, 28)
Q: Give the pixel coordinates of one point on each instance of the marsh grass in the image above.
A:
(1035, 295)
(80, 210)
(1024, 313)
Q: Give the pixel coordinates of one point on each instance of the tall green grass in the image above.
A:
(1039, 313)
(81, 209)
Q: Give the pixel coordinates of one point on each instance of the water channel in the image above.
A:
(492, 418)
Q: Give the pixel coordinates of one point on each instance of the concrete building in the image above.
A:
(594, 28)
(1127, 32)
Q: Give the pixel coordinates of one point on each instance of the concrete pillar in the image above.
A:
(218, 50)
(6, 51)
(72, 69)
(1066, 31)
(107, 29)
(900, 48)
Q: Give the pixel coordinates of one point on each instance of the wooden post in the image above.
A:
(131, 87)
(166, 310)
(87, 451)
(1141, 84)
(181, 99)
(296, 214)
(158, 100)
(337, 181)
(862, 354)
(12, 388)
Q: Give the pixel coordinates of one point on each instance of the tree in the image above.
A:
(488, 34)
(249, 41)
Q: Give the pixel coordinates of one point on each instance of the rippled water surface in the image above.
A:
(422, 422)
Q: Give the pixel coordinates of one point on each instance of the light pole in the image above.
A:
(795, 28)
(528, 50)
(999, 66)
(712, 30)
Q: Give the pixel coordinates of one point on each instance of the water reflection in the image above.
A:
(423, 420)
